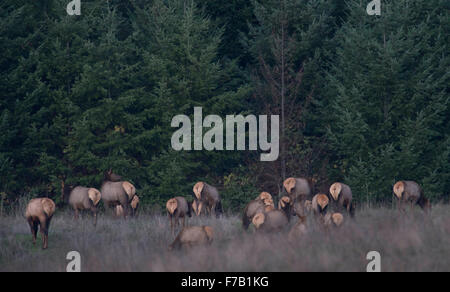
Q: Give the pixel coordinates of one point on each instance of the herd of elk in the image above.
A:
(298, 201)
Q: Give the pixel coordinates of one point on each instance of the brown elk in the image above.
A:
(193, 236)
(39, 213)
(410, 192)
(342, 194)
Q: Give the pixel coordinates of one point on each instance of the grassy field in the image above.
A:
(411, 242)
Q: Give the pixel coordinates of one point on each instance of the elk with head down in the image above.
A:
(319, 204)
(270, 222)
(263, 203)
(177, 208)
(39, 213)
(134, 206)
(342, 194)
(118, 193)
(207, 197)
(193, 236)
(82, 198)
(410, 192)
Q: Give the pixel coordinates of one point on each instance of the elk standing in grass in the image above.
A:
(342, 194)
(116, 193)
(39, 213)
(410, 192)
(82, 198)
(177, 208)
(208, 197)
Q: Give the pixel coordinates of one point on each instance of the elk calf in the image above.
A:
(39, 213)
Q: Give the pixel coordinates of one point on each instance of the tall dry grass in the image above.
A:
(411, 242)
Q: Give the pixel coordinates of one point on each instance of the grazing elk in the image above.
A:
(82, 198)
(342, 194)
(319, 204)
(116, 193)
(268, 222)
(298, 189)
(193, 236)
(39, 213)
(261, 204)
(410, 192)
(208, 197)
(177, 208)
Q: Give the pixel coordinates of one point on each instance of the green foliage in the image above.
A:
(83, 94)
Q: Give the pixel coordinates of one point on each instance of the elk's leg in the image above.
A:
(34, 228)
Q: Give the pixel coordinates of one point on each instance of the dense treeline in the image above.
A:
(364, 99)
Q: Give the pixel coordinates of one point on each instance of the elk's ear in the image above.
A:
(338, 219)
(335, 190)
(198, 188)
(48, 206)
(289, 184)
(171, 206)
(209, 232)
(322, 200)
(258, 220)
(129, 189)
(399, 188)
(94, 195)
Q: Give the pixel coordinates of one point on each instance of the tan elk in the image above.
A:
(39, 213)
(177, 208)
(298, 189)
(82, 198)
(116, 193)
(261, 204)
(269, 222)
(319, 204)
(342, 194)
(410, 192)
(208, 197)
(193, 236)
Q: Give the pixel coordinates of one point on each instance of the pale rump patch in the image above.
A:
(129, 189)
(283, 202)
(269, 203)
(258, 220)
(322, 200)
(289, 184)
(198, 188)
(399, 188)
(94, 195)
(337, 218)
(209, 232)
(48, 206)
(171, 206)
(135, 202)
(335, 190)
(265, 196)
